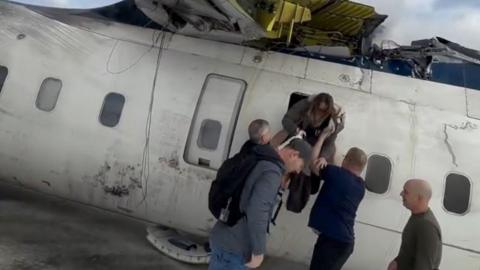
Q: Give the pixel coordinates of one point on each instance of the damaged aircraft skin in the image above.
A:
(263, 24)
(268, 23)
(156, 163)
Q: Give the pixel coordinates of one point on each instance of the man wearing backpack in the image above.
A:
(240, 242)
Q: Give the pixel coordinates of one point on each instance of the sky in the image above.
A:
(455, 20)
(73, 4)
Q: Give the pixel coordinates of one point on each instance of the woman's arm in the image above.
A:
(319, 162)
(317, 148)
(293, 117)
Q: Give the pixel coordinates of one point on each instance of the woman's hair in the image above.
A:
(314, 108)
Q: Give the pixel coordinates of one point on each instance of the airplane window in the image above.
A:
(48, 94)
(209, 134)
(112, 109)
(457, 194)
(296, 97)
(3, 76)
(377, 177)
(213, 124)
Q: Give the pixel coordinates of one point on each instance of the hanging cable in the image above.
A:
(145, 169)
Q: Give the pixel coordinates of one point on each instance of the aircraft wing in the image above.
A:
(326, 23)
(265, 24)
(277, 23)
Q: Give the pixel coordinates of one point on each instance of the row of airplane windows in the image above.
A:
(50, 90)
(456, 197)
(457, 191)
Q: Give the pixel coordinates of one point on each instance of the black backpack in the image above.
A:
(226, 190)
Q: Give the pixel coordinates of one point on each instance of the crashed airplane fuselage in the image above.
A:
(112, 116)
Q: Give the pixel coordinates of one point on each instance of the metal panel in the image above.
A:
(275, 62)
(473, 103)
(419, 92)
(341, 75)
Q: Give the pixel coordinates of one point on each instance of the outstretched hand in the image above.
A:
(319, 164)
(329, 130)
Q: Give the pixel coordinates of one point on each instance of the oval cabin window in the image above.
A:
(457, 194)
(377, 177)
(112, 109)
(48, 94)
(3, 76)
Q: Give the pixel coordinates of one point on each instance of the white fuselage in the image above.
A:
(425, 129)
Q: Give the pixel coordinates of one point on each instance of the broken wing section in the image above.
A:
(268, 23)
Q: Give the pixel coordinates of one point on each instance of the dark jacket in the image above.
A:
(248, 146)
(335, 209)
(421, 247)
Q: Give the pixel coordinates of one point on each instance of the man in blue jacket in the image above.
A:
(333, 214)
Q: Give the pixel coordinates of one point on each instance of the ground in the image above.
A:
(43, 232)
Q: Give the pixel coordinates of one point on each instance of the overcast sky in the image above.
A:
(455, 20)
(74, 4)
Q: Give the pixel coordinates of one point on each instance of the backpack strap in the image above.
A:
(280, 204)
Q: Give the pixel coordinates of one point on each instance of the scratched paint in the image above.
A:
(94, 162)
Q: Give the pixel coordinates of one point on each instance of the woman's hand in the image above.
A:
(329, 130)
(318, 164)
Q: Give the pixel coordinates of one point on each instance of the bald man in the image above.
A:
(421, 247)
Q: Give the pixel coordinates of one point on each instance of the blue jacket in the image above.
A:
(334, 211)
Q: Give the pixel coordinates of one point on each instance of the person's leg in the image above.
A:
(330, 254)
(314, 261)
(223, 260)
(344, 250)
(215, 260)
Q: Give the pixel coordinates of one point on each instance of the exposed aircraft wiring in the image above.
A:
(136, 61)
(145, 169)
(156, 37)
(128, 67)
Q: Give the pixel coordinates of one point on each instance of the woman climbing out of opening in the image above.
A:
(320, 120)
(313, 116)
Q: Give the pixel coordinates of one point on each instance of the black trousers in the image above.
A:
(330, 254)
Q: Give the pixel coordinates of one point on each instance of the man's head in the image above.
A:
(259, 131)
(355, 160)
(416, 195)
(296, 156)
